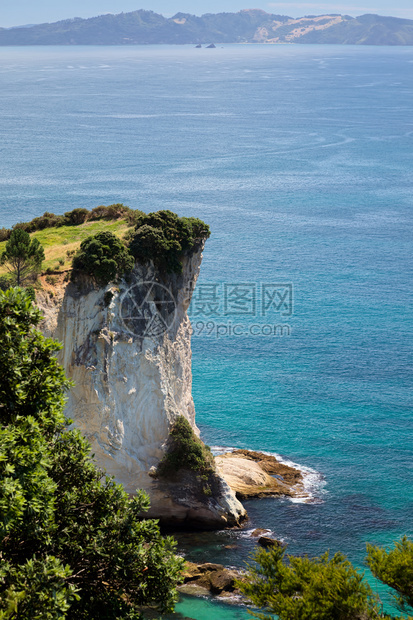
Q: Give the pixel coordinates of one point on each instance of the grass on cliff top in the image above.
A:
(57, 242)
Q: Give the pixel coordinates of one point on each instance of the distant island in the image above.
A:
(247, 26)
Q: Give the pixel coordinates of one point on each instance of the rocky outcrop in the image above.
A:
(267, 541)
(127, 347)
(255, 474)
(208, 578)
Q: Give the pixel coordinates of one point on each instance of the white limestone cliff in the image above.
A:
(127, 347)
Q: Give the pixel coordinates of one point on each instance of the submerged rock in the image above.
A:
(259, 532)
(267, 541)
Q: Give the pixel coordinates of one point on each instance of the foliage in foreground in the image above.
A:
(394, 567)
(325, 588)
(72, 544)
(23, 256)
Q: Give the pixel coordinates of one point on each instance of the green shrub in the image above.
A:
(98, 213)
(30, 291)
(163, 237)
(133, 216)
(73, 544)
(394, 567)
(22, 225)
(6, 282)
(4, 234)
(110, 212)
(76, 217)
(324, 588)
(103, 257)
(327, 588)
(185, 451)
(47, 220)
(198, 228)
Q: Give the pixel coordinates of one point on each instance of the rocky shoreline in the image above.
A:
(210, 579)
(255, 474)
(249, 474)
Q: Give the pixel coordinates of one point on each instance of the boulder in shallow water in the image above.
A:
(222, 580)
(254, 474)
(267, 541)
(208, 578)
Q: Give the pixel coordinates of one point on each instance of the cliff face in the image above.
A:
(127, 347)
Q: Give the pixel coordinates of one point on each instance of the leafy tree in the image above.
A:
(23, 256)
(323, 588)
(395, 568)
(164, 237)
(102, 256)
(72, 543)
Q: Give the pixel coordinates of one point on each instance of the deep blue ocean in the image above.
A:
(300, 159)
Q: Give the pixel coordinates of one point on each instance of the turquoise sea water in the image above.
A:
(300, 160)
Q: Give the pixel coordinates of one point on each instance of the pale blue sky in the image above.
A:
(16, 12)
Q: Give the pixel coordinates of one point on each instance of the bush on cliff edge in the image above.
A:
(164, 237)
(103, 257)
